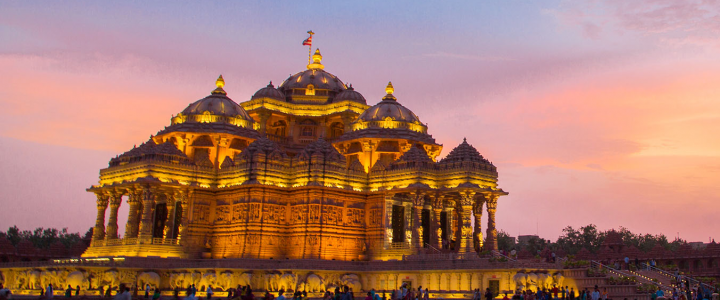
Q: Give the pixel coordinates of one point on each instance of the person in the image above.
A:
(572, 294)
(176, 293)
(506, 297)
(627, 263)
(564, 292)
(281, 295)
(147, 290)
(488, 294)
(5, 292)
(49, 291)
(108, 292)
(555, 291)
(209, 292)
(595, 294)
(156, 294)
(426, 295)
(269, 296)
(605, 294)
(77, 291)
(68, 291)
(659, 293)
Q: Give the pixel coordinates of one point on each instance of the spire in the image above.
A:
(389, 89)
(220, 83)
(316, 61)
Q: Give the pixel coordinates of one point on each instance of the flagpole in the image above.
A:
(310, 47)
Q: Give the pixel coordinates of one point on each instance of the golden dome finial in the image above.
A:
(220, 83)
(316, 61)
(389, 89)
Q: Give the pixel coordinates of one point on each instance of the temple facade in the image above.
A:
(304, 170)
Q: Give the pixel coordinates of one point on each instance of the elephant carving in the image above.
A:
(226, 280)
(208, 279)
(352, 281)
(543, 281)
(21, 279)
(314, 283)
(532, 281)
(287, 282)
(177, 280)
(33, 279)
(151, 278)
(520, 280)
(245, 279)
(272, 281)
(111, 279)
(78, 278)
(558, 278)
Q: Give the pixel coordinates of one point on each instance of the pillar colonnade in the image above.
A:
(465, 204)
(142, 201)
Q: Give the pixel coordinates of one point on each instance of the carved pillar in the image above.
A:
(183, 197)
(477, 229)
(112, 227)
(437, 228)
(99, 230)
(131, 227)
(170, 223)
(347, 119)
(418, 199)
(491, 242)
(146, 226)
(264, 116)
(465, 205)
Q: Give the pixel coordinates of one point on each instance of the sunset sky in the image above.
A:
(602, 112)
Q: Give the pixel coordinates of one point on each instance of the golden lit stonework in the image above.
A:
(304, 186)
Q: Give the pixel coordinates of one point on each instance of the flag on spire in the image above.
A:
(308, 41)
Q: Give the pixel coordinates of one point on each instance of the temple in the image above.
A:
(305, 170)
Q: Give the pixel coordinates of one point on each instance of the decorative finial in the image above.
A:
(316, 61)
(220, 83)
(389, 89)
(270, 84)
(464, 140)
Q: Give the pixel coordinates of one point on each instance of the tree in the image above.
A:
(505, 242)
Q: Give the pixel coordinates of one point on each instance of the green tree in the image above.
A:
(505, 242)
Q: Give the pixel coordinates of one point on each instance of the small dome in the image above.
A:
(351, 95)
(389, 108)
(269, 92)
(217, 103)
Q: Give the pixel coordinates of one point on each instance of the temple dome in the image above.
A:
(316, 76)
(389, 108)
(464, 153)
(218, 103)
(350, 95)
(269, 92)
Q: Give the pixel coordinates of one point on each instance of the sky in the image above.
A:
(595, 112)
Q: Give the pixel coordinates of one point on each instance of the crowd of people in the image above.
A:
(684, 292)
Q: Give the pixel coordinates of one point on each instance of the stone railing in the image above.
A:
(134, 241)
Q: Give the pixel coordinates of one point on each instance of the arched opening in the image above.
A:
(336, 129)
(278, 128)
(160, 219)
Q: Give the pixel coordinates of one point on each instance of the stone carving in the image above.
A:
(287, 282)
(151, 278)
(207, 279)
(313, 283)
(558, 279)
(272, 281)
(532, 279)
(111, 278)
(520, 280)
(177, 280)
(245, 279)
(543, 281)
(78, 278)
(352, 281)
